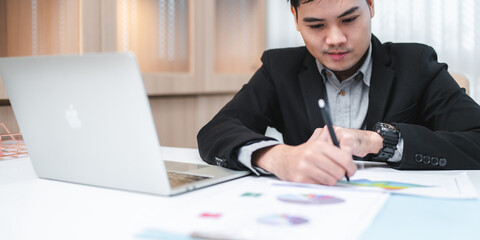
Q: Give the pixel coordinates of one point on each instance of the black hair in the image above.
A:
(296, 3)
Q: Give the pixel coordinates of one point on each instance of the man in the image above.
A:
(389, 102)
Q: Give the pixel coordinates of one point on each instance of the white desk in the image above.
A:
(33, 208)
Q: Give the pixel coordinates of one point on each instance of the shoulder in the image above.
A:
(289, 53)
(406, 46)
(412, 58)
(285, 59)
(409, 52)
(416, 65)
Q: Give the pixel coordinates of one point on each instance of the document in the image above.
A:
(264, 209)
(428, 185)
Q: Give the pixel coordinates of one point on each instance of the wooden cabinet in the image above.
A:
(36, 27)
(194, 55)
(184, 46)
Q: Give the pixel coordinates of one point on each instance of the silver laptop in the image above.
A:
(86, 119)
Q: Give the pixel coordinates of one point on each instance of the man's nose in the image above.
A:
(335, 36)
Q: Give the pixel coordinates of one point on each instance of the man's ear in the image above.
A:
(295, 17)
(371, 5)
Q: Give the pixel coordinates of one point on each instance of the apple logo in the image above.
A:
(71, 114)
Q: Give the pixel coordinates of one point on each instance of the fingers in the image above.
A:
(346, 138)
(357, 140)
(332, 168)
(316, 161)
(325, 136)
(342, 158)
(315, 176)
(343, 155)
(326, 163)
(316, 135)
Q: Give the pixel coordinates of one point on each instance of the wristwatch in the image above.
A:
(390, 136)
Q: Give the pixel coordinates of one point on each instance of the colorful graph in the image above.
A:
(282, 219)
(309, 198)
(388, 185)
(210, 215)
(249, 194)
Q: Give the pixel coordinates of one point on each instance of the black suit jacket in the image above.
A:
(438, 121)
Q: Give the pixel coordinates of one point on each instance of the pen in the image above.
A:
(328, 121)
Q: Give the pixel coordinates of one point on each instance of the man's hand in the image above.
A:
(318, 160)
(315, 161)
(362, 142)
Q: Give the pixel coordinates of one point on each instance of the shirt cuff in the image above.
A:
(397, 156)
(245, 155)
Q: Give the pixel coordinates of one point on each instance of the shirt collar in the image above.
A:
(365, 69)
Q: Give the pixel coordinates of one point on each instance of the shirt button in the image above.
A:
(329, 74)
(342, 93)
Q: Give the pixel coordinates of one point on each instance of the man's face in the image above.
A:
(336, 32)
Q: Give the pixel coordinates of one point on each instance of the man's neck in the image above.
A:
(343, 75)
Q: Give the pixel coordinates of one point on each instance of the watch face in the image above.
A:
(388, 126)
(379, 127)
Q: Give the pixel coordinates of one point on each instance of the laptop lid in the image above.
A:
(86, 119)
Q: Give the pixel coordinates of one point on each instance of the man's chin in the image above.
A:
(336, 67)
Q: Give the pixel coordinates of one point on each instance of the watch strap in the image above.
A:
(390, 140)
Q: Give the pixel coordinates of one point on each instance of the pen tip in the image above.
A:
(321, 103)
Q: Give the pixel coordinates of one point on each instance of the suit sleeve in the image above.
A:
(242, 121)
(448, 133)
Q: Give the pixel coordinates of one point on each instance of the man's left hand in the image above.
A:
(362, 142)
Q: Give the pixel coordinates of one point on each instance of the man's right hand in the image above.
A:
(316, 161)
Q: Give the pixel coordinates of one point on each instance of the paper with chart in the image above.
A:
(422, 184)
(262, 209)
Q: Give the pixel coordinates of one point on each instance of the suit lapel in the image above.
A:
(380, 84)
(313, 89)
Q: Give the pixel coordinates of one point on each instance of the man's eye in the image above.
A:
(349, 20)
(316, 26)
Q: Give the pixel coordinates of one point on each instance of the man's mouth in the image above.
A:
(337, 56)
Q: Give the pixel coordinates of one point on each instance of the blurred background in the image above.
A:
(194, 55)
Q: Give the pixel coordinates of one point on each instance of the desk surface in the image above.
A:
(33, 208)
